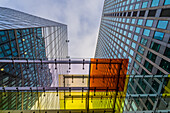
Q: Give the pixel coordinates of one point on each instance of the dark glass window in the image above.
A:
(135, 13)
(165, 65)
(148, 66)
(165, 13)
(151, 13)
(155, 46)
(158, 35)
(124, 14)
(129, 13)
(142, 13)
(151, 56)
(144, 72)
(167, 52)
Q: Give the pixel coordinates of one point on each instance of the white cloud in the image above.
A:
(81, 16)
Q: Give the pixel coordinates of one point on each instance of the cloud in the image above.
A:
(82, 17)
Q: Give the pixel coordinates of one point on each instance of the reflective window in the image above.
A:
(167, 2)
(136, 66)
(135, 38)
(149, 23)
(140, 21)
(131, 28)
(146, 32)
(138, 58)
(137, 6)
(133, 21)
(145, 4)
(143, 41)
(133, 45)
(131, 52)
(162, 24)
(141, 49)
(155, 3)
(155, 46)
(138, 29)
(158, 35)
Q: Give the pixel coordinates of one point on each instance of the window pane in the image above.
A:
(133, 45)
(143, 41)
(138, 29)
(167, 2)
(141, 49)
(145, 4)
(155, 3)
(148, 66)
(149, 23)
(136, 66)
(167, 52)
(138, 58)
(135, 38)
(158, 35)
(162, 24)
(140, 21)
(165, 65)
(146, 32)
(155, 46)
(151, 56)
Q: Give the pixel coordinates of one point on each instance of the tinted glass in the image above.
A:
(146, 32)
(167, 2)
(145, 4)
(162, 24)
(149, 23)
(155, 3)
(158, 35)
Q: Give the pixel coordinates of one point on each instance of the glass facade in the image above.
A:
(143, 35)
(24, 36)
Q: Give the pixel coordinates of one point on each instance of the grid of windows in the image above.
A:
(135, 29)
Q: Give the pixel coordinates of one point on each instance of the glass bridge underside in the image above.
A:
(103, 87)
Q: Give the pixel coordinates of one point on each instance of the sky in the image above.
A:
(81, 16)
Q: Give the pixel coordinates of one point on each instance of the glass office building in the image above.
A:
(24, 36)
(140, 31)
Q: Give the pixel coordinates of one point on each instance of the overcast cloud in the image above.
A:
(82, 17)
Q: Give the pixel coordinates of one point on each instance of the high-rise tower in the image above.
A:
(140, 31)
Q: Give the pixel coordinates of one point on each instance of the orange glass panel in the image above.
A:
(106, 74)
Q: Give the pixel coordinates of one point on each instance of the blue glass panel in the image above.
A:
(145, 4)
(2, 33)
(138, 29)
(4, 39)
(162, 24)
(158, 35)
(131, 52)
(133, 21)
(167, 2)
(133, 45)
(155, 3)
(149, 23)
(6, 46)
(146, 32)
(135, 38)
(141, 50)
(140, 21)
(137, 6)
